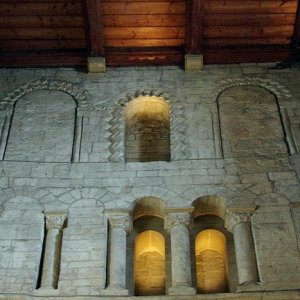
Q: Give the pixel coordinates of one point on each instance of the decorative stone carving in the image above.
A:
(55, 220)
(63, 86)
(236, 217)
(274, 87)
(178, 218)
(120, 221)
(116, 128)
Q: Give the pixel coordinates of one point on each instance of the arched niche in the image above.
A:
(43, 122)
(209, 213)
(148, 206)
(210, 205)
(117, 130)
(251, 122)
(149, 263)
(148, 248)
(211, 262)
(147, 129)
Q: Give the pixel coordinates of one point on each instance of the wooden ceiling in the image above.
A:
(147, 32)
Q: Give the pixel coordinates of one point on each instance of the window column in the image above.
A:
(120, 225)
(51, 262)
(239, 223)
(177, 224)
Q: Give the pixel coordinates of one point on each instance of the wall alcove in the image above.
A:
(147, 129)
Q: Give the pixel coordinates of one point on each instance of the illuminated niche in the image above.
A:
(149, 263)
(211, 262)
(147, 129)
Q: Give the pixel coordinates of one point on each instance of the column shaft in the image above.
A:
(120, 224)
(117, 262)
(52, 249)
(181, 266)
(177, 224)
(245, 257)
(51, 261)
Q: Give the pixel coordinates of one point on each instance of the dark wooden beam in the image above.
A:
(296, 35)
(94, 27)
(194, 26)
(45, 58)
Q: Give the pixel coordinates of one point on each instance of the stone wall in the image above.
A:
(234, 134)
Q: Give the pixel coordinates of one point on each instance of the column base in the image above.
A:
(46, 291)
(193, 62)
(250, 287)
(181, 290)
(114, 291)
(96, 65)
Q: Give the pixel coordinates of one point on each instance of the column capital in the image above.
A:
(235, 216)
(55, 220)
(177, 217)
(119, 219)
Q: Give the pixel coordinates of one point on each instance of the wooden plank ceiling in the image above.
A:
(147, 32)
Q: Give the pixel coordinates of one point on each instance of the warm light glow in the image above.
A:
(149, 263)
(147, 129)
(149, 241)
(147, 107)
(211, 261)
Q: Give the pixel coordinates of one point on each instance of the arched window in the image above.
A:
(211, 261)
(149, 263)
(147, 129)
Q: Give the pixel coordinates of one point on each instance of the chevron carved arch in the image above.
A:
(116, 125)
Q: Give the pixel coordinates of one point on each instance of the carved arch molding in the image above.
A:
(116, 127)
(8, 103)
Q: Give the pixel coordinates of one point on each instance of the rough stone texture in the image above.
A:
(234, 134)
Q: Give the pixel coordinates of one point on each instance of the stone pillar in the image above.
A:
(239, 223)
(177, 224)
(51, 263)
(120, 225)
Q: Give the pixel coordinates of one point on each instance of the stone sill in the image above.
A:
(281, 295)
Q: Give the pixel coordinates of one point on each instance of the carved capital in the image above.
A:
(123, 221)
(177, 218)
(235, 217)
(55, 220)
